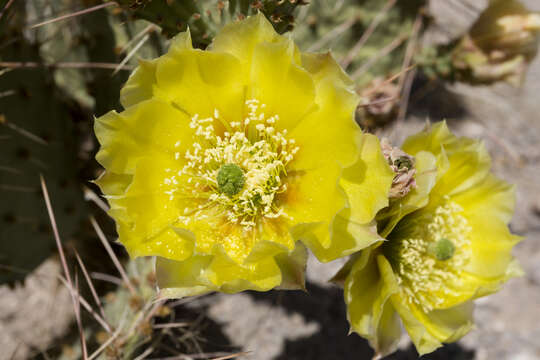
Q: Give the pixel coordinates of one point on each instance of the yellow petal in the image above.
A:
(199, 82)
(324, 65)
(329, 135)
(240, 39)
(139, 86)
(313, 197)
(141, 83)
(467, 169)
(283, 86)
(367, 295)
(493, 198)
(212, 227)
(423, 340)
(177, 279)
(430, 139)
(447, 325)
(231, 277)
(152, 208)
(114, 184)
(293, 268)
(149, 128)
(367, 182)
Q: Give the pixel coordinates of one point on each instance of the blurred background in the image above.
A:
(62, 62)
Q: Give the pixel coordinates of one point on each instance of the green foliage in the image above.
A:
(205, 18)
(342, 25)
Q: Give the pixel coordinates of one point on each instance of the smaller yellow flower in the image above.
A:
(500, 45)
(448, 243)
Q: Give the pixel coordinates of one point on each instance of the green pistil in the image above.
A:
(444, 249)
(230, 179)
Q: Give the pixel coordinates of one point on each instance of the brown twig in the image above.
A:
(338, 30)
(367, 34)
(22, 131)
(131, 53)
(406, 81)
(64, 65)
(90, 285)
(74, 299)
(231, 356)
(381, 101)
(74, 14)
(87, 307)
(6, 8)
(384, 51)
(389, 80)
(84, 350)
(111, 253)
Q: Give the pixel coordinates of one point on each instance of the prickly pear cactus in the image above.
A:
(204, 18)
(36, 137)
(129, 311)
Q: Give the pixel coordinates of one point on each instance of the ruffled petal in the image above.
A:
(488, 208)
(367, 182)
(282, 85)
(329, 135)
(149, 209)
(367, 295)
(141, 83)
(353, 228)
(323, 65)
(423, 340)
(468, 160)
(493, 198)
(200, 274)
(114, 184)
(139, 86)
(430, 139)
(149, 128)
(240, 39)
(200, 82)
(448, 325)
(212, 227)
(293, 268)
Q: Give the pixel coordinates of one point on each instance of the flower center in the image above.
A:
(428, 252)
(240, 168)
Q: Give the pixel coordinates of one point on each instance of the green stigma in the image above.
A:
(444, 249)
(230, 179)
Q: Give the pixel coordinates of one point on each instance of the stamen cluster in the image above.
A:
(431, 251)
(255, 147)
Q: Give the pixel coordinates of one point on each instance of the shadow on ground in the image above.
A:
(326, 307)
(433, 100)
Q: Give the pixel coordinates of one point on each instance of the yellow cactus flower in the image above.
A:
(225, 158)
(448, 243)
(500, 44)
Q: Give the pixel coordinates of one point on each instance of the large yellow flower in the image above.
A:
(225, 158)
(447, 243)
